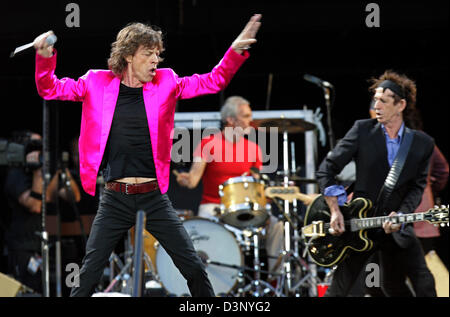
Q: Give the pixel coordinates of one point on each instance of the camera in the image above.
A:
(14, 154)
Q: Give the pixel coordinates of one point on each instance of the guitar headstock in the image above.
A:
(437, 215)
(315, 230)
(290, 193)
(287, 193)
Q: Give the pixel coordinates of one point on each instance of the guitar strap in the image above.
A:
(394, 172)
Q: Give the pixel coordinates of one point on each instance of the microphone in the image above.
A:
(51, 40)
(317, 81)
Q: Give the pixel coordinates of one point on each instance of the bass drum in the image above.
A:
(212, 242)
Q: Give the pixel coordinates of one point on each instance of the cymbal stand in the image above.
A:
(291, 258)
(123, 275)
(127, 271)
(294, 205)
(125, 268)
(287, 233)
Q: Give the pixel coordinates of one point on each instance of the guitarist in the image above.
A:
(374, 144)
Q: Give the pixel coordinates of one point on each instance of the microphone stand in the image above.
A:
(326, 92)
(58, 255)
(326, 87)
(46, 179)
(58, 244)
(138, 253)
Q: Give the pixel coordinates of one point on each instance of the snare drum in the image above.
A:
(213, 243)
(243, 202)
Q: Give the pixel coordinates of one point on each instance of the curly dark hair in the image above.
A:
(128, 41)
(411, 114)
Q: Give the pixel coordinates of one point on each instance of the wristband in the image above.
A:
(35, 195)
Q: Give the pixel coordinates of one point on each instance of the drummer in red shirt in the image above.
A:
(225, 155)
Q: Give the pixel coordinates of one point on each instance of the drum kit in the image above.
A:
(232, 245)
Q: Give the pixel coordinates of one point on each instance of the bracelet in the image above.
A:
(35, 195)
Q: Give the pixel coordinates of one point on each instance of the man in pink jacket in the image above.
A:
(127, 118)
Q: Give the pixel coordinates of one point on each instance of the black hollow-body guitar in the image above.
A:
(328, 250)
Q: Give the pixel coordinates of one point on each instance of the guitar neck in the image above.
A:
(377, 222)
(306, 199)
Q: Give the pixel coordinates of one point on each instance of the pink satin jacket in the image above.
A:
(98, 90)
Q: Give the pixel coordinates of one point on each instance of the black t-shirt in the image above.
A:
(129, 151)
(24, 229)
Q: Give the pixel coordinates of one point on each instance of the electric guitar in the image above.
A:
(328, 250)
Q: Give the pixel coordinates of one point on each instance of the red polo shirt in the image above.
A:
(225, 160)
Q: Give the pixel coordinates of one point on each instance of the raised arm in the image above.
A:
(41, 45)
(248, 34)
(48, 85)
(221, 75)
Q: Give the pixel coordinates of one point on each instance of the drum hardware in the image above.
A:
(290, 254)
(241, 268)
(114, 258)
(285, 124)
(123, 275)
(257, 287)
(293, 262)
(184, 214)
(125, 267)
(148, 262)
(223, 257)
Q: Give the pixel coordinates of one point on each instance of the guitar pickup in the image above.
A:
(314, 230)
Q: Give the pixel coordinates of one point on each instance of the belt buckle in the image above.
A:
(126, 188)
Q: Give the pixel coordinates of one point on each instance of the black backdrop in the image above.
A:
(328, 39)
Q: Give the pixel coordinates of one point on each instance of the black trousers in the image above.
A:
(395, 265)
(116, 215)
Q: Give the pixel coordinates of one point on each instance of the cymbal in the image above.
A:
(285, 124)
(299, 179)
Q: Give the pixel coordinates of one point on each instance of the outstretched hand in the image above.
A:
(248, 34)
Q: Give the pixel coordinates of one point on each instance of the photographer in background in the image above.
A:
(23, 190)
